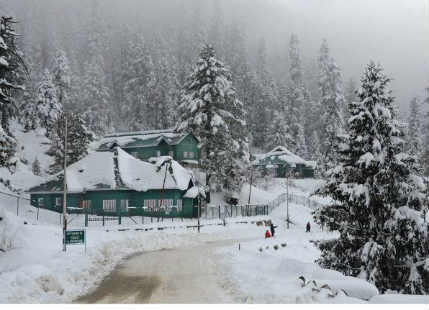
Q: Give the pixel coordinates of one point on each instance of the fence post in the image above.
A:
(37, 217)
(17, 206)
(103, 220)
(219, 212)
(86, 217)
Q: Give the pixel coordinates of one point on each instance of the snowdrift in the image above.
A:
(11, 229)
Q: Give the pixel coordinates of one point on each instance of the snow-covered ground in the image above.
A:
(35, 270)
(269, 270)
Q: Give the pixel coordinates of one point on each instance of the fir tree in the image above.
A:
(12, 68)
(139, 77)
(414, 141)
(47, 109)
(425, 151)
(279, 132)
(62, 77)
(36, 167)
(78, 140)
(331, 105)
(378, 197)
(210, 110)
(349, 97)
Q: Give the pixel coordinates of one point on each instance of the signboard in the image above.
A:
(75, 237)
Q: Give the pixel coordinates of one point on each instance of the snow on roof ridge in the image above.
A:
(99, 168)
(139, 133)
(282, 149)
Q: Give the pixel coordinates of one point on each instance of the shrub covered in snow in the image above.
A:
(9, 230)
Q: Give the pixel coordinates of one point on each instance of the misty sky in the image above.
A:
(394, 32)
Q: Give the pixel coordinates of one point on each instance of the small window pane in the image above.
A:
(109, 205)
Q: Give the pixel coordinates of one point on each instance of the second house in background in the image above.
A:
(147, 145)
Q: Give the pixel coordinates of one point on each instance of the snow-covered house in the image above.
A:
(283, 162)
(148, 145)
(116, 183)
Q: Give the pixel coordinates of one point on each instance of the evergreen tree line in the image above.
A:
(118, 78)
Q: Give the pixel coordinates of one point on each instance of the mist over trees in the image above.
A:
(123, 66)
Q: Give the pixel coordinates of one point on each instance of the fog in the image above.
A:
(392, 32)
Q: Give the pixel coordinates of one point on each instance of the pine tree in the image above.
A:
(209, 108)
(11, 76)
(425, 151)
(378, 197)
(265, 100)
(279, 132)
(298, 99)
(78, 140)
(47, 109)
(96, 97)
(36, 167)
(95, 89)
(331, 105)
(62, 79)
(139, 76)
(415, 143)
(349, 97)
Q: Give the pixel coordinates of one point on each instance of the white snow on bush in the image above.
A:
(10, 229)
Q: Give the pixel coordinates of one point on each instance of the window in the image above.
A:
(167, 204)
(41, 202)
(171, 153)
(124, 205)
(158, 153)
(86, 204)
(179, 205)
(146, 205)
(191, 154)
(109, 205)
(149, 205)
(58, 201)
(185, 154)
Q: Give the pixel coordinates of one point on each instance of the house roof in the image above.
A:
(281, 153)
(142, 139)
(117, 170)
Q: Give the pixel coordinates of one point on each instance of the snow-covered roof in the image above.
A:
(97, 171)
(283, 154)
(141, 138)
(193, 192)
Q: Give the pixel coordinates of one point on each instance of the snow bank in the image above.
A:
(11, 229)
(400, 299)
(353, 287)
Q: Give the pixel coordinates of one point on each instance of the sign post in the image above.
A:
(75, 237)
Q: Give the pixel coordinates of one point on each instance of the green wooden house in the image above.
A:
(114, 183)
(280, 162)
(148, 145)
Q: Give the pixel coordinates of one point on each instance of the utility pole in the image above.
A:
(287, 200)
(199, 209)
(250, 187)
(65, 185)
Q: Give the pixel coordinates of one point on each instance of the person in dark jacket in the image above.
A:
(308, 227)
(272, 228)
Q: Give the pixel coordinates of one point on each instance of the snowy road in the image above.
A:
(185, 275)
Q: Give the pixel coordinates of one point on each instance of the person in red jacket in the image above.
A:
(267, 234)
